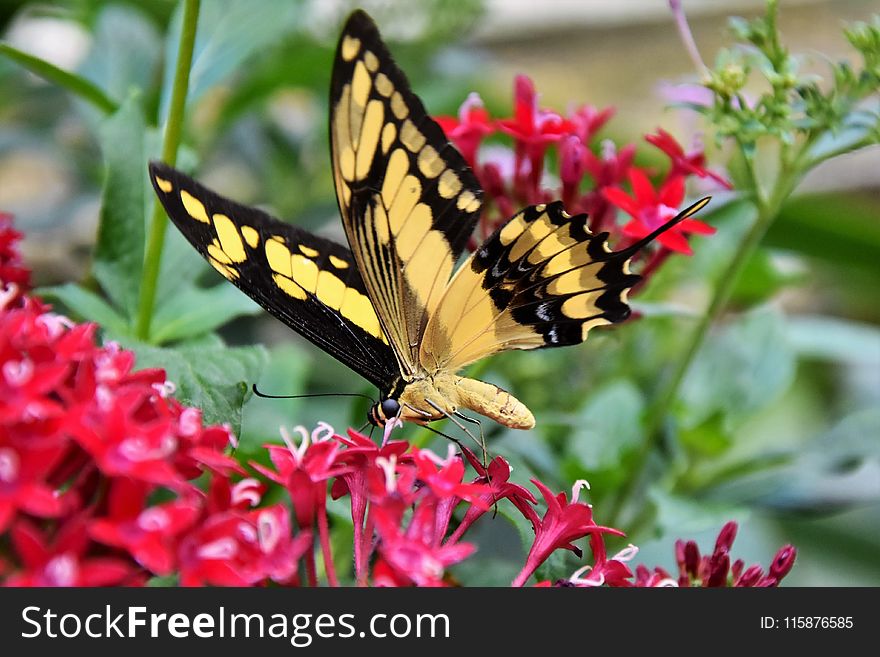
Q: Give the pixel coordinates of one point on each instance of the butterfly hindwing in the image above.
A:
(541, 280)
(310, 283)
(408, 200)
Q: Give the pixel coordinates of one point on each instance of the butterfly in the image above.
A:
(392, 306)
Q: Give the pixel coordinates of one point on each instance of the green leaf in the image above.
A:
(835, 339)
(216, 379)
(77, 85)
(682, 516)
(125, 51)
(837, 470)
(228, 33)
(739, 371)
(708, 439)
(85, 305)
(119, 252)
(285, 374)
(608, 426)
(761, 279)
(193, 311)
(840, 229)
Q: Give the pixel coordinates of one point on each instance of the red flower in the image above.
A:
(572, 165)
(604, 571)
(650, 209)
(715, 570)
(531, 125)
(563, 523)
(444, 478)
(533, 130)
(497, 477)
(23, 485)
(304, 471)
(587, 121)
(361, 455)
(63, 561)
(469, 129)
(237, 548)
(684, 163)
(149, 534)
(15, 278)
(414, 557)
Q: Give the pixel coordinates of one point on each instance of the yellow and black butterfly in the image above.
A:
(390, 307)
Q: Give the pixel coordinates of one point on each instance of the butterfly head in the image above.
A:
(382, 411)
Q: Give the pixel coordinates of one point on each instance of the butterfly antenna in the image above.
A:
(632, 249)
(319, 394)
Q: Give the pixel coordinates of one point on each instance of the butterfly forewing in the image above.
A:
(408, 200)
(310, 283)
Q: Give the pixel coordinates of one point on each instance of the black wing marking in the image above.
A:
(319, 293)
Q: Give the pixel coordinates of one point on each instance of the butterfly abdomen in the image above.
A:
(493, 402)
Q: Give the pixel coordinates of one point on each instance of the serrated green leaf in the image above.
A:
(215, 379)
(82, 304)
(193, 311)
(119, 252)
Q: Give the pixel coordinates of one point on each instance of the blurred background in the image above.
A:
(778, 424)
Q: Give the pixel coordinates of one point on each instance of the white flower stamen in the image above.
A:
(322, 432)
(388, 465)
(579, 485)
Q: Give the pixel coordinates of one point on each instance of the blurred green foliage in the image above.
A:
(776, 424)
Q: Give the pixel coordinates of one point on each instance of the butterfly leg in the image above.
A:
(452, 418)
(479, 424)
(447, 436)
(474, 420)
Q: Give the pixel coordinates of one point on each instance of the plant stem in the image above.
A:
(767, 211)
(170, 143)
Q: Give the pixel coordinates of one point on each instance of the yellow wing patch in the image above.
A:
(194, 207)
(407, 199)
(541, 280)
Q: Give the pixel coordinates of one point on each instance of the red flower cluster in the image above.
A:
(99, 464)
(513, 179)
(714, 570)
(15, 278)
(97, 470)
(403, 501)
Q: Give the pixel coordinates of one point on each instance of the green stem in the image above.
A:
(767, 211)
(170, 143)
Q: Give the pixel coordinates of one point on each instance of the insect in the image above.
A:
(392, 307)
